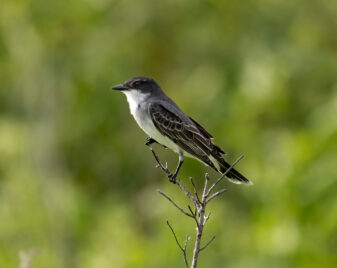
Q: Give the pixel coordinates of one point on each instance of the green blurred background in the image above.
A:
(77, 182)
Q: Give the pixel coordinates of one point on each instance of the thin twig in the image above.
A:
(174, 204)
(183, 249)
(174, 234)
(195, 190)
(194, 216)
(186, 241)
(223, 175)
(192, 212)
(209, 242)
(164, 168)
(189, 195)
(207, 217)
(168, 173)
(215, 195)
(198, 213)
(204, 192)
(200, 228)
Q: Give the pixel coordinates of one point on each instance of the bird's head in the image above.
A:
(140, 84)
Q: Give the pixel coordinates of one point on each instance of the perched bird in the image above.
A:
(165, 123)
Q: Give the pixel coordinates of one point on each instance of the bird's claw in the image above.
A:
(149, 141)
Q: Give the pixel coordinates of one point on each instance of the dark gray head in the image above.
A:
(141, 84)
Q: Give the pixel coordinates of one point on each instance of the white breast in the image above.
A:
(138, 109)
(135, 98)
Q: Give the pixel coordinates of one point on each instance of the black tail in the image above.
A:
(233, 175)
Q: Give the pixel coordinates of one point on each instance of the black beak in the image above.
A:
(120, 87)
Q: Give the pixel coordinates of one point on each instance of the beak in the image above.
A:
(120, 87)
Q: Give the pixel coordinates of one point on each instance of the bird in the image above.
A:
(165, 123)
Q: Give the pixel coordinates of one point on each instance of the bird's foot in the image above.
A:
(149, 141)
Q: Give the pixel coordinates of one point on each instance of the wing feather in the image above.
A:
(192, 138)
(184, 133)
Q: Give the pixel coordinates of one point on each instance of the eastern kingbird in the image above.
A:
(168, 125)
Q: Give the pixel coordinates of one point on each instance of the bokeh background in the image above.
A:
(77, 183)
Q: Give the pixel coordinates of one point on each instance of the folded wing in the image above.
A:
(193, 138)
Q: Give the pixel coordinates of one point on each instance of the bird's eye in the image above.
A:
(137, 83)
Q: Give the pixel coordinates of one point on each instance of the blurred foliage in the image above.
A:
(77, 182)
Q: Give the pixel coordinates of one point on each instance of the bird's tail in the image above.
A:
(233, 175)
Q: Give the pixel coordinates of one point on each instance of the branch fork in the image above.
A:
(198, 212)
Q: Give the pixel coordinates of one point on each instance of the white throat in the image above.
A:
(135, 98)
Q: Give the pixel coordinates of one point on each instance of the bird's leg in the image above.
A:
(174, 176)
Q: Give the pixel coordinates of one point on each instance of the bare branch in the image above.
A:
(215, 195)
(207, 217)
(168, 173)
(192, 212)
(174, 234)
(186, 241)
(209, 242)
(194, 216)
(189, 195)
(195, 190)
(164, 168)
(183, 249)
(174, 204)
(204, 192)
(198, 211)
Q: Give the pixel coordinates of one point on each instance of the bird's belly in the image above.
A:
(146, 124)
